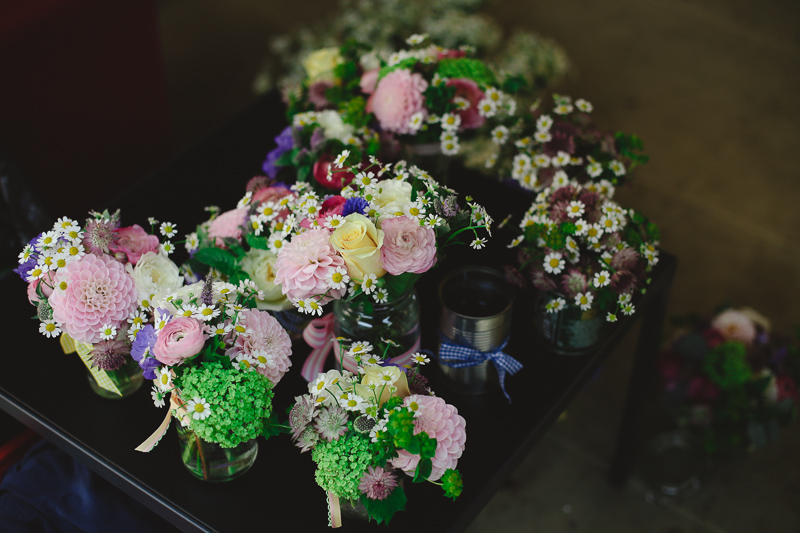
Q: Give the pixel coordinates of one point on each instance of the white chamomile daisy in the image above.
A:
(494, 95)
(487, 108)
(338, 278)
(192, 243)
(416, 122)
(541, 161)
(368, 283)
(594, 232)
(554, 263)
(617, 168)
(334, 221)
(163, 378)
(352, 402)
(47, 239)
(478, 243)
(500, 135)
(450, 147)
(381, 296)
(563, 109)
(461, 103)
(584, 300)
(420, 358)
(263, 359)
(561, 159)
(157, 396)
(167, 247)
(555, 305)
(167, 229)
(628, 309)
(198, 408)
(594, 169)
(49, 328)
(108, 332)
(313, 307)
(341, 159)
(544, 123)
(221, 329)
(243, 362)
(575, 209)
(137, 319)
(583, 105)
(450, 121)
(206, 313)
(543, 136)
(601, 279)
(517, 241)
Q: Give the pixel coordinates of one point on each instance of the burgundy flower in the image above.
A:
(623, 281)
(562, 141)
(625, 259)
(542, 281)
(316, 95)
(258, 182)
(469, 90)
(514, 276)
(702, 390)
(573, 282)
(787, 388)
(337, 180)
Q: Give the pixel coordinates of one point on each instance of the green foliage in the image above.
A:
(514, 84)
(424, 469)
(222, 260)
(556, 238)
(726, 365)
(384, 510)
(439, 97)
(354, 112)
(256, 243)
(341, 464)
(273, 427)
(452, 483)
(401, 284)
(404, 64)
(471, 69)
(630, 146)
(401, 427)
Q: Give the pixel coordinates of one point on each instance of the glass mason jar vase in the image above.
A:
(128, 378)
(429, 157)
(569, 331)
(211, 462)
(396, 321)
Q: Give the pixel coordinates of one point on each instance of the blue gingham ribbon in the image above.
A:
(458, 356)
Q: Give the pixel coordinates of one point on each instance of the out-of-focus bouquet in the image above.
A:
(385, 24)
(582, 250)
(366, 429)
(729, 378)
(88, 283)
(543, 147)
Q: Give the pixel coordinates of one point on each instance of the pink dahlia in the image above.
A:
(98, 291)
(397, 97)
(305, 264)
(228, 224)
(470, 117)
(267, 337)
(368, 81)
(377, 483)
(407, 246)
(442, 422)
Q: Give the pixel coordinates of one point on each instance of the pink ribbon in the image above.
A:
(320, 337)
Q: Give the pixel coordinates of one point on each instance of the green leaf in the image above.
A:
(303, 172)
(399, 285)
(514, 84)
(414, 446)
(287, 158)
(258, 243)
(272, 427)
(222, 260)
(406, 63)
(471, 69)
(424, 469)
(384, 510)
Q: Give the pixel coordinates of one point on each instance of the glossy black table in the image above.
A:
(47, 390)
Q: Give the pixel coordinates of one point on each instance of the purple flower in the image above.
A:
(25, 267)
(355, 205)
(142, 347)
(284, 143)
(317, 138)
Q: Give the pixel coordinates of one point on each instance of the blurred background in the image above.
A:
(95, 95)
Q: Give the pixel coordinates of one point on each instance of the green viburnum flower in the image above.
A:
(401, 426)
(452, 483)
(239, 402)
(428, 445)
(726, 365)
(341, 464)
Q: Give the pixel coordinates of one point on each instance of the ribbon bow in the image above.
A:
(458, 356)
(319, 336)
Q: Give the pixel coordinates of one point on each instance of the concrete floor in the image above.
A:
(711, 86)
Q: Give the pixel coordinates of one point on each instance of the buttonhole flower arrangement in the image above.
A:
(579, 248)
(88, 282)
(544, 146)
(218, 356)
(366, 430)
(730, 379)
(372, 240)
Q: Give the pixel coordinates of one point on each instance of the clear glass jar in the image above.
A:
(211, 462)
(571, 330)
(128, 378)
(429, 157)
(396, 320)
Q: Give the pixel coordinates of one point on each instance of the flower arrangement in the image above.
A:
(88, 282)
(424, 96)
(729, 378)
(547, 147)
(582, 250)
(365, 430)
(385, 24)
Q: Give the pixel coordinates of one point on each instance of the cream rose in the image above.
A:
(260, 266)
(376, 375)
(359, 243)
(393, 197)
(155, 274)
(319, 64)
(334, 127)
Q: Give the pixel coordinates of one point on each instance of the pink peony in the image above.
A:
(397, 97)
(369, 80)
(440, 421)
(338, 178)
(47, 288)
(469, 90)
(735, 325)
(228, 224)
(98, 291)
(266, 336)
(180, 339)
(133, 242)
(305, 264)
(407, 246)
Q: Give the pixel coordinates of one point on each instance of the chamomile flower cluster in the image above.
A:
(584, 250)
(355, 423)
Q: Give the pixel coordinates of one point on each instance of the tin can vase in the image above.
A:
(209, 461)
(476, 313)
(569, 331)
(128, 379)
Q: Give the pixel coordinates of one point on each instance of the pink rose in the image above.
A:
(735, 325)
(180, 339)
(407, 246)
(228, 224)
(337, 180)
(469, 90)
(369, 80)
(273, 194)
(134, 242)
(398, 96)
(47, 288)
(332, 206)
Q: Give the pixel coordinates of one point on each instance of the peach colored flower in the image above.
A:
(407, 246)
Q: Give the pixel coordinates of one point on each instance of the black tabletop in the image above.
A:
(47, 390)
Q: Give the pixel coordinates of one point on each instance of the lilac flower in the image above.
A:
(23, 268)
(355, 205)
(142, 345)
(284, 143)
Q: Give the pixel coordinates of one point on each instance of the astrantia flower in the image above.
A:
(442, 422)
(98, 291)
(377, 483)
(301, 415)
(98, 235)
(331, 423)
(268, 336)
(109, 354)
(304, 265)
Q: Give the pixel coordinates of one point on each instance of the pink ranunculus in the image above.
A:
(369, 80)
(734, 325)
(398, 96)
(305, 264)
(47, 288)
(180, 339)
(134, 242)
(338, 178)
(407, 246)
(331, 206)
(273, 194)
(469, 90)
(228, 224)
